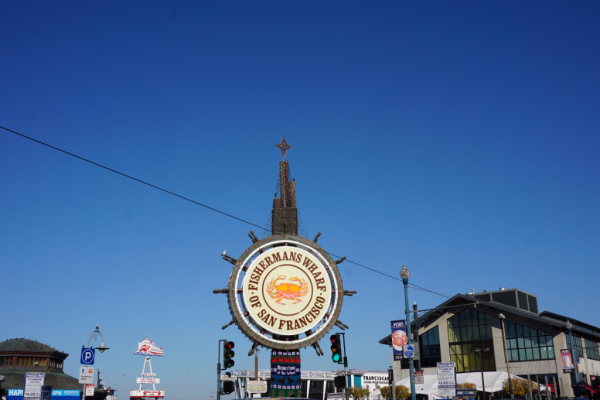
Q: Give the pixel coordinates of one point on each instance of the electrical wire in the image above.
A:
(200, 204)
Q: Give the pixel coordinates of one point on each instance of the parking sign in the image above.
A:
(87, 356)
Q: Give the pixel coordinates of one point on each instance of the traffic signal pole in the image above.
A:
(345, 365)
(219, 369)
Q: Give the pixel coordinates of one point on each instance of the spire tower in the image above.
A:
(284, 217)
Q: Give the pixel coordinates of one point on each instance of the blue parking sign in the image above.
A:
(87, 356)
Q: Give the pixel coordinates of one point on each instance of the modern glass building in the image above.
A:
(467, 330)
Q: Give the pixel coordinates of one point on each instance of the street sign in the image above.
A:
(32, 390)
(446, 375)
(148, 380)
(86, 375)
(89, 390)
(228, 378)
(257, 386)
(87, 356)
(408, 350)
(419, 378)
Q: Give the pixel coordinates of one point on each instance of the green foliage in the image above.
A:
(359, 393)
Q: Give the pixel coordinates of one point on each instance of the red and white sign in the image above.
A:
(148, 373)
(147, 393)
(89, 390)
(419, 379)
(148, 380)
(147, 348)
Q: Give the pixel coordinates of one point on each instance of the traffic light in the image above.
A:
(391, 376)
(336, 348)
(228, 387)
(339, 382)
(228, 354)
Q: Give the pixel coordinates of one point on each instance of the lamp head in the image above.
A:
(102, 348)
(404, 272)
(501, 316)
(568, 325)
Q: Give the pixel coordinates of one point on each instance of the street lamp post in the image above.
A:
(481, 351)
(502, 317)
(569, 325)
(405, 274)
(94, 335)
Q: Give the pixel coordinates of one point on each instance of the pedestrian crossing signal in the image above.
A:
(336, 348)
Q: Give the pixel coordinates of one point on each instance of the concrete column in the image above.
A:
(498, 343)
(443, 331)
(560, 343)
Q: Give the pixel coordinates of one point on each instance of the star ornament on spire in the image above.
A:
(284, 147)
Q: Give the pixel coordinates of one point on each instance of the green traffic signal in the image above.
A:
(335, 357)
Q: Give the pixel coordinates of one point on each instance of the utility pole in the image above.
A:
(345, 365)
(219, 369)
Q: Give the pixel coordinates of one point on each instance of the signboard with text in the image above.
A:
(33, 385)
(86, 375)
(399, 338)
(419, 378)
(148, 380)
(446, 375)
(257, 387)
(89, 390)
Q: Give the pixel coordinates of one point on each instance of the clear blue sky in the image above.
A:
(458, 137)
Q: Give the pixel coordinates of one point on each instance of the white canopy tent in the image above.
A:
(493, 382)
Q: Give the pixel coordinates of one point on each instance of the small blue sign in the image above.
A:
(408, 350)
(46, 393)
(87, 356)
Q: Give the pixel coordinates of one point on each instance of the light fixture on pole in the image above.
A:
(569, 325)
(502, 317)
(405, 274)
(94, 335)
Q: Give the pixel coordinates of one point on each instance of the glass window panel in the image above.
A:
(536, 353)
(483, 332)
(544, 352)
(550, 352)
(462, 317)
(536, 341)
(436, 335)
(488, 319)
(527, 342)
(520, 342)
(463, 334)
(526, 331)
(476, 333)
(424, 340)
(452, 335)
(488, 331)
(519, 330)
(515, 355)
(534, 332)
(529, 353)
(522, 355)
(470, 333)
(473, 363)
(511, 330)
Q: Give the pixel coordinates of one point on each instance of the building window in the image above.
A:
(6, 360)
(591, 349)
(429, 343)
(524, 343)
(32, 361)
(576, 345)
(468, 331)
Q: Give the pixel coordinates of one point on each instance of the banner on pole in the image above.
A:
(399, 338)
(567, 360)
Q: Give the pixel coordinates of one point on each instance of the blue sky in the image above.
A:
(460, 138)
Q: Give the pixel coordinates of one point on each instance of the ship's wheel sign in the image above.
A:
(285, 292)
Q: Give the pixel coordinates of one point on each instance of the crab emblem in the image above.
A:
(287, 290)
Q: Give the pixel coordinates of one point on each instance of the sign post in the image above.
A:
(32, 389)
(446, 375)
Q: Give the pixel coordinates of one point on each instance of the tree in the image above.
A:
(359, 393)
(402, 392)
(467, 385)
(520, 387)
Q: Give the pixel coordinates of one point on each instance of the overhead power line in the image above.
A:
(198, 203)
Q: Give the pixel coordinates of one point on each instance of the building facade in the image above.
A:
(467, 330)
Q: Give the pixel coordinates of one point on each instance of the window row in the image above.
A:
(469, 360)
(469, 325)
(33, 361)
(591, 349)
(429, 343)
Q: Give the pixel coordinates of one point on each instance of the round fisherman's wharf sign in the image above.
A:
(285, 292)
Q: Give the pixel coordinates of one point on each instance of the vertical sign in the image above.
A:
(446, 375)
(399, 338)
(285, 374)
(567, 360)
(89, 390)
(32, 389)
(46, 393)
